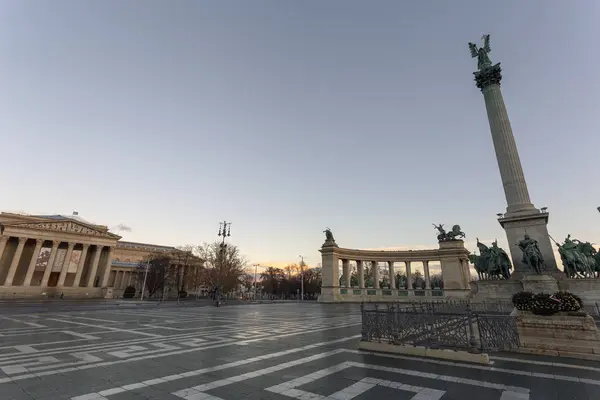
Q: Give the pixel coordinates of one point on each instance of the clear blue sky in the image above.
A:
(289, 116)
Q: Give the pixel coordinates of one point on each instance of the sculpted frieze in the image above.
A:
(68, 227)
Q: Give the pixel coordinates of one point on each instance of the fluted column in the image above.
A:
(50, 264)
(391, 274)
(361, 274)
(426, 273)
(34, 257)
(106, 274)
(348, 276)
(65, 266)
(80, 265)
(15, 262)
(408, 275)
(3, 241)
(507, 155)
(94, 266)
(375, 274)
(346, 271)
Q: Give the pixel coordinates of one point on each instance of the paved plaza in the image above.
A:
(260, 351)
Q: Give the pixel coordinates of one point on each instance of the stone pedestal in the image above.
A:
(534, 224)
(455, 268)
(559, 335)
(539, 284)
(330, 287)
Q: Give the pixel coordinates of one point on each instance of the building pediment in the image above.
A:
(66, 227)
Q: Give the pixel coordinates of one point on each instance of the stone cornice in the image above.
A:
(396, 256)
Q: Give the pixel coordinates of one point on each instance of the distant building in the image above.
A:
(52, 254)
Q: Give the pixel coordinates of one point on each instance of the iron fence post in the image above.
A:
(363, 329)
(472, 341)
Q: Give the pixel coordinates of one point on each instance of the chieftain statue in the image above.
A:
(492, 262)
(532, 256)
(483, 60)
(444, 236)
(580, 260)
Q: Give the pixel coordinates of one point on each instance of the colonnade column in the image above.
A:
(65, 266)
(392, 276)
(15, 262)
(3, 240)
(361, 274)
(375, 274)
(106, 275)
(50, 264)
(346, 272)
(94, 269)
(34, 257)
(426, 273)
(408, 275)
(80, 265)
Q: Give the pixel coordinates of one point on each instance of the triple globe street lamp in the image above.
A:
(224, 231)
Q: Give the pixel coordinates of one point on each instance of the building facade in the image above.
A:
(47, 255)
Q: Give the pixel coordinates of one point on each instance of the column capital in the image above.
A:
(22, 239)
(71, 245)
(4, 238)
(488, 76)
(55, 243)
(38, 241)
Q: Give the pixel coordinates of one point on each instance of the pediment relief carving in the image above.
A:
(67, 227)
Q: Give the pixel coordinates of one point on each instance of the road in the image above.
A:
(264, 351)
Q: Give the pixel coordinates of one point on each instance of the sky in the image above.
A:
(286, 117)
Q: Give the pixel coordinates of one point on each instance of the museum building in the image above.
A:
(46, 255)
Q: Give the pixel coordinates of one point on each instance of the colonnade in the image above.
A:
(346, 273)
(22, 259)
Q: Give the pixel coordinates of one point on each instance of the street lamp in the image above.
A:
(301, 277)
(255, 272)
(145, 277)
(224, 231)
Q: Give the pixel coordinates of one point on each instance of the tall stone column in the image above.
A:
(392, 276)
(346, 272)
(34, 257)
(521, 217)
(361, 274)
(408, 275)
(15, 262)
(375, 267)
(48, 270)
(106, 274)
(65, 266)
(426, 273)
(94, 266)
(80, 265)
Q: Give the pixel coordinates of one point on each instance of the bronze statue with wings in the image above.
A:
(483, 60)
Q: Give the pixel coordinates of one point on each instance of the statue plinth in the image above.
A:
(534, 224)
(488, 76)
(539, 283)
(451, 244)
(329, 243)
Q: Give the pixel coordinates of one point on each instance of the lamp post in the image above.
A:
(224, 231)
(301, 277)
(255, 272)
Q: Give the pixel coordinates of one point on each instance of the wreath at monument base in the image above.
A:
(546, 304)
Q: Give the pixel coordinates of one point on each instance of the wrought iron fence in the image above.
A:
(452, 325)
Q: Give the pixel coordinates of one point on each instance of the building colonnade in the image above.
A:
(375, 271)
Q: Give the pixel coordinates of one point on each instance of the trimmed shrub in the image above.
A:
(129, 292)
(523, 301)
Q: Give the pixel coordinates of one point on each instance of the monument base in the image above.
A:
(539, 284)
(535, 224)
(563, 334)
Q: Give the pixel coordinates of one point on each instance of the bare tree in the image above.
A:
(157, 277)
(228, 266)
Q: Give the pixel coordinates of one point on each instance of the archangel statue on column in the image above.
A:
(483, 60)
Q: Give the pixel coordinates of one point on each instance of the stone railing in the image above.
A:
(392, 295)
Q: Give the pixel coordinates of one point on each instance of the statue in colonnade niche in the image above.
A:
(454, 234)
(492, 262)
